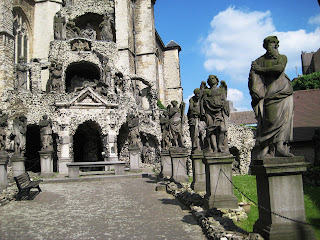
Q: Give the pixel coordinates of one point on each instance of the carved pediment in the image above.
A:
(88, 98)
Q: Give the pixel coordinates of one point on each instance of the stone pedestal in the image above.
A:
(179, 164)
(46, 162)
(134, 159)
(219, 188)
(63, 169)
(199, 173)
(166, 164)
(18, 165)
(280, 190)
(4, 158)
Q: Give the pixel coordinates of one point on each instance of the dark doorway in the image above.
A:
(79, 73)
(33, 146)
(87, 143)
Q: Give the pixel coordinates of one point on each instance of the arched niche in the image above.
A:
(79, 73)
(87, 143)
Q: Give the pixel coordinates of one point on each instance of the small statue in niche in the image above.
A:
(19, 135)
(60, 31)
(106, 28)
(175, 123)
(22, 70)
(195, 122)
(55, 77)
(46, 133)
(89, 32)
(3, 126)
(72, 30)
(118, 83)
(316, 146)
(214, 108)
(137, 95)
(147, 153)
(133, 125)
(164, 123)
(272, 101)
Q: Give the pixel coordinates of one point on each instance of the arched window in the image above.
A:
(21, 36)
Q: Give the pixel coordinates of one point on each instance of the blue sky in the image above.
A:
(224, 37)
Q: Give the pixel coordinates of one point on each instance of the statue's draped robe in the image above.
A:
(272, 102)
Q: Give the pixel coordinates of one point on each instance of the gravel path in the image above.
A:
(113, 208)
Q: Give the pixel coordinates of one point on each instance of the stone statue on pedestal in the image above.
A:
(175, 114)
(272, 101)
(60, 22)
(22, 69)
(46, 134)
(106, 28)
(164, 123)
(19, 133)
(133, 125)
(214, 108)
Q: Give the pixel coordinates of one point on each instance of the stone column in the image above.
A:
(18, 165)
(166, 164)
(280, 190)
(64, 140)
(4, 158)
(134, 159)
(112, 141)
(46, 162)
(219, 188)
(179, 164)
(199, 173)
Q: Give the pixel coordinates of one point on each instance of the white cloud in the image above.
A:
(235, 95)
(314, 20)
(236, 37)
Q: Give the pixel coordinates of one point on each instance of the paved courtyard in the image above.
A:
(112, 208)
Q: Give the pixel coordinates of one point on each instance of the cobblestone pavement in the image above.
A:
(113, 208)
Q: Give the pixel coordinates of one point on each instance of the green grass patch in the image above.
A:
(247, 184)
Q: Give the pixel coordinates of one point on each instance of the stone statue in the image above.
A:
(133, 125)
(214, 108)
(22, 74)
(3, 135)
(147, 153)
(137, 95)
(89, 32)
(60, 32)
(19, 134)
(272, 101)
(316, 146)
(46, 134)
(175, 123)
(164, 123)
(106, 28)
(72, 30)
(56, 84)
(195, 122)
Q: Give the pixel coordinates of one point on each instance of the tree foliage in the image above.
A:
(310, 81)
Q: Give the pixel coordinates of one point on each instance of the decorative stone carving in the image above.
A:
(19, 133)
(133, 125)
(46, 134)
(22, 75)
(60, 27)
(214, 109)
(80, 45)
(272, 100)
(56, 84)
(175, 123)
(89, 32)
(72, 30)
(3, 135)
(106, 28)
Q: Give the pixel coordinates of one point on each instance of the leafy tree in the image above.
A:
(310, 81)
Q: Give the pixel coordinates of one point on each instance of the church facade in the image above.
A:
(87, 66)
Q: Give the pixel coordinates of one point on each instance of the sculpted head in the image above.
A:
(174, 103)
(271, 44)
(212, 80)
(197, 93)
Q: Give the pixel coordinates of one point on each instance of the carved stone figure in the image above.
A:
(106, 28)
(133, 125)
(147, 153)
(164, 123)
(72, 30)
(55, 77)
(22, 74)
(272, 100)
(3, 125)
(60, 32)
(195, 122)
(118, 83)
(175, 123)
(19, 134)
(215, 110)
(46, 134)
(89, 32)
(316, 146)
(137, 95)
(80, 45)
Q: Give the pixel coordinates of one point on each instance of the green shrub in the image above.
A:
(310, 81)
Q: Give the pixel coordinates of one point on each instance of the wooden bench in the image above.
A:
(73, 168)
(25, 185)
